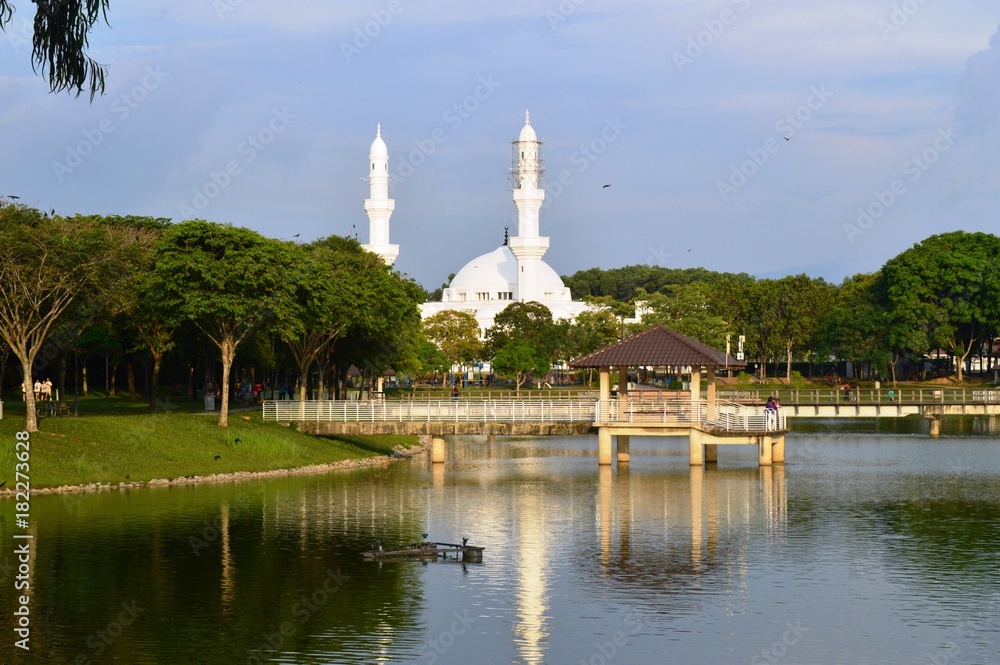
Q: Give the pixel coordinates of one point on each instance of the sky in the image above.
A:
(769, 137)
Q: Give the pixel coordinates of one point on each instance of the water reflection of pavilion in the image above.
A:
(665, 536)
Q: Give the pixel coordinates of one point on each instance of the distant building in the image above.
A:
(513, 272)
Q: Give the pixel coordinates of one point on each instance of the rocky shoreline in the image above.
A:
(382, 460)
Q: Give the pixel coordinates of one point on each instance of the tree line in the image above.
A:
(208, 297)
(940, 297)
(139, 287)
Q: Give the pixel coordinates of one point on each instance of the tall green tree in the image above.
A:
(228, 281)
(520, 359)
(799, 305)
(530, 321)
(48, 267)
(860, 328)
(687, 310)
(60, 42)
(337, 285)
(947, 290)
(457, 334)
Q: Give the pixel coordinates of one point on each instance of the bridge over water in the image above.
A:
(707, 423)
(931, 403)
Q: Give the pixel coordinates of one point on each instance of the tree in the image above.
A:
(530, 321)
(686, 309)
(591, 330)
(49, 265)
(799, 305)
(227, 280)
(860, 328)
(60, 41)
(947, 290)
(337, 284)
(521, 359)
(456, 333)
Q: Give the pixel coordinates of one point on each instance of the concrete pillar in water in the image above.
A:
(603, 446)
(622, 447)
(712, 453)
(697, 455)
(764, 450)
(778, 449)
(935, 426)
(437, 449)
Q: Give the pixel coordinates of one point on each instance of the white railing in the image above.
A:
(885, 395)
(452, 410)
(729, 416)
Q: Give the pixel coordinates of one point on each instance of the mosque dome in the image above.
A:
(493, 276)
(379, 149)
(491, 273)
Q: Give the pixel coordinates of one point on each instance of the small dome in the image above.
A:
(379, 148)
(527, 132)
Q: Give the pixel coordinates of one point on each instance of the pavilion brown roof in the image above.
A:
(658, 347)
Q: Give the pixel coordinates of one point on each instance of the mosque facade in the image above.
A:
(513, 272)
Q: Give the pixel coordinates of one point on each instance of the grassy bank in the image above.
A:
(113, 442)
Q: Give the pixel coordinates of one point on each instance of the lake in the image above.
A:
(872, 544)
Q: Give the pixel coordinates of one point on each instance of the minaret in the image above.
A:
(528, 247)
(379, 206)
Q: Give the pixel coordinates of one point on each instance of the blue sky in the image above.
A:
(261, 114)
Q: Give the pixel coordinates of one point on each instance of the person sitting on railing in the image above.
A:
(614, 391)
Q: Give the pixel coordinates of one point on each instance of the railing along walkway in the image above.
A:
(907, 396)
(729, 416)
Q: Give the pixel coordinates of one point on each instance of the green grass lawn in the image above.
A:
(114, 440)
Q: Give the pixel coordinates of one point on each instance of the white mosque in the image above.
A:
(513, 272)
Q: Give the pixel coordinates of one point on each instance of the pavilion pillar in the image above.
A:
(437, 449)
(778, 449)
(621, 446)
(764, 450)
(696, 414)
(696, 452)
(935, 426)
(711, 453)
(622, 380)
(711, 385)
(605, 383)
(604, 446)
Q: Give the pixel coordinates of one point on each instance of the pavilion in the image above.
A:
(670, 413)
